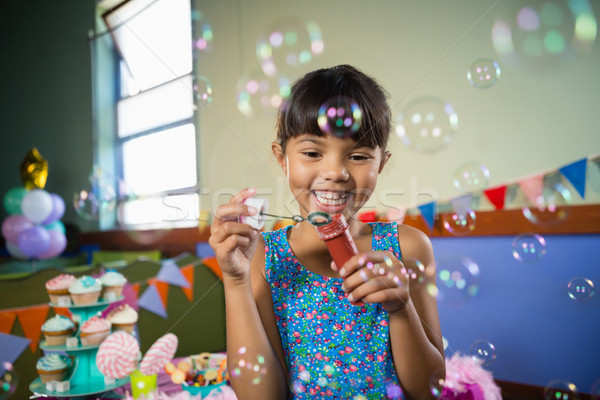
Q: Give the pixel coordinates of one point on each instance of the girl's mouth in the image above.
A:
(330, 201)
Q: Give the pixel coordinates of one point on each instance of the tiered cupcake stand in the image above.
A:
(85, 379)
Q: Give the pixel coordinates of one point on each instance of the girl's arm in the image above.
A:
(254, 354)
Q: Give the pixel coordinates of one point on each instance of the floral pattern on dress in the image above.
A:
(333, 349)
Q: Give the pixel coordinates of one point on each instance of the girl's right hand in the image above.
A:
(233, 242)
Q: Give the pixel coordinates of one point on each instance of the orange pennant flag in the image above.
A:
(496, 196)
(63, 311)
(7, 320)
(213, 265)
(162, 288)
(188, 273)
(136, 289)
(32, 319)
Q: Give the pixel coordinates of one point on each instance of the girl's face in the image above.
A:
(330, 174)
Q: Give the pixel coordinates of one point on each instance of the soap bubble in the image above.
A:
(97, 197)
(484, 73)
(203, 33)
(249, 367)
(471, 177)
(484, 351)
(340, 116)
(203, 91)
(528, 247)
(560, 389)
(551, 207)
(393, 391)
(580, 289)
(8, 380)
(457, 279)
(427, 125)
(289, 43)
(261, 95)
(414, 270)
(459, 222)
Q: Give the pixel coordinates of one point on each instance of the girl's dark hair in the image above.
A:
(299, 112)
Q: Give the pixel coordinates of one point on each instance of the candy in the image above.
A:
(117, 355)
(159, 354)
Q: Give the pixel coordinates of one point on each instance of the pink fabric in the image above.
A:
(467, 380)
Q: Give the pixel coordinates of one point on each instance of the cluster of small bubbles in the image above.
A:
(483, 73)
(203, 33)
(393, 391)
(560, 389)
(471, 177)
(359, 397)
(414, 270)
(8, 380)
(203, 91)
(551, 207)
(580, 289)
(436, 385)
(459, 222)
(528, 247)
(457, 279)
(484, 351)
(427, 125)
(340, 116)
(261, 95)
(289, 43)
(95, 198)
(251, 368)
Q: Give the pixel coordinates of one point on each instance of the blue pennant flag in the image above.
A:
(575, 173)
(428, 211)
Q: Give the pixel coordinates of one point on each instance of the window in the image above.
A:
(152, 136)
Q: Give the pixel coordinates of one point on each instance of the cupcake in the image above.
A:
(57, 329)
(58, 289)
(85, 290)
(93, 331)
(53, 367)
(112, 285)
(123, 318)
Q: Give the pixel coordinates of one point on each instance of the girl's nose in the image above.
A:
(336, 171)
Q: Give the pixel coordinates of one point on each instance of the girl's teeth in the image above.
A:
(330, 199)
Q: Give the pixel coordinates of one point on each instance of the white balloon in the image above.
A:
(37, 205)
(15, 251)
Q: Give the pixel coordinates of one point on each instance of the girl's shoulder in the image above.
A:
(414, 242)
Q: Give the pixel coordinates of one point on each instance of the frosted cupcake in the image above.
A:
(112, 285)
(123, 318)
(94, 331)
(85, 290)
(58, 289)
(57, 329)
(53, 367)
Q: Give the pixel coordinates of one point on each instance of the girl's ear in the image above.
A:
(384, 160)
(279, 155)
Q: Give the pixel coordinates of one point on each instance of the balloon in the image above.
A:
(58, 209)
(14, 251)
(37, 205)
(13, 225)
(34, 241)
(56, 226)
(58, 243)
(13, 199)
(34, 170)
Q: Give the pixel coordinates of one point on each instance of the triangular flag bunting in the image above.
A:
(496, 196)
(7, 320)
(428, 213)
(11, 347)
(575, 173)
(131, 292)
(188, 272)
(533, 187)
(151, 301)
(204, 250)
(32, 319)
(213, 265)
(162, 288)
(64, 311)
(170, 273)
(462, 202)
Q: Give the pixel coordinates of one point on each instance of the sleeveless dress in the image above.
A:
(333, 349)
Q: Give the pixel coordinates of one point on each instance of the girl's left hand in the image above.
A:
(375, 277)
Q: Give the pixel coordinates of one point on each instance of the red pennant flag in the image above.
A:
(213, 265)
(32, 319)
(496, 196)
(188, 273)
(162, 288)
(7, 320)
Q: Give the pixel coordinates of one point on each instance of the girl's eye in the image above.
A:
(359, 157)
(311, 154)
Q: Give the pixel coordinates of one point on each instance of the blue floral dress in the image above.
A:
(333, 349)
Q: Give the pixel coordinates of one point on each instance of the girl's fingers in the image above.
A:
(242, 195)
(229, 228)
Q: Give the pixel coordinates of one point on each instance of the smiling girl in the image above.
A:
(311, 328)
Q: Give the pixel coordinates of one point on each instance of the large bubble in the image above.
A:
(471, 177)
(459, 222)
(260, 95)
(457, 279)
(551, 208)
(528, 247)
(427, 124)
(580, 289)
(483, 351)
(96, 197)
(340, 116)
(560, 389)
(8, 380)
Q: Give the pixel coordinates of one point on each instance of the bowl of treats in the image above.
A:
(200, 374)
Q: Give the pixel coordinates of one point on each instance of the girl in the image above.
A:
(299, 326)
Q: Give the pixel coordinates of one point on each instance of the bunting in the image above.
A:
(151, 300)
(532, 187)
(31, 320)
(170, 273)
(496, 196)
(188, 272)
(11, 348)
(7, 320)
(575, 174)
(428, 212)
(213, 265)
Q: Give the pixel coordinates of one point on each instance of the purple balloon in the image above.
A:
(58, 244)
(13, 225)
(34, 241)
(58, 209)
